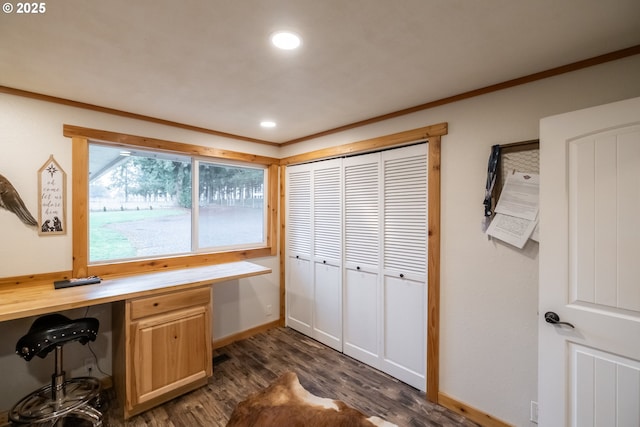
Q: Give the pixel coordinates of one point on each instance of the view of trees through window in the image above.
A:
(141, 204)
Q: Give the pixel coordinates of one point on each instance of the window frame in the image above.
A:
(80, 139)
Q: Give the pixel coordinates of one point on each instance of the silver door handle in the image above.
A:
(554, 319)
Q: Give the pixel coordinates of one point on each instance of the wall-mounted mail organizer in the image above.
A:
(521, 156)
(519, 161)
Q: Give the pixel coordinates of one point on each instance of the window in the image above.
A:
(231, 210)
(152, 204)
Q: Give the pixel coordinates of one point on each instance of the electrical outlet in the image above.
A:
(268, 310)
(90, 366)
(534, 412)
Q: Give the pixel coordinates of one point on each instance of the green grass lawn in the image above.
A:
(106, 243)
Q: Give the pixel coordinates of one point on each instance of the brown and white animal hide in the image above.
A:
(287, 403)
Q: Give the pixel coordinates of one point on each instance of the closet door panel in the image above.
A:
(361, 316)
(405, 209)
(299, 295)
(327, 305)
(327, 252)
(362, 293)
(299, 210)
(327, 211)
(404, 261)
(404, 330)
(362, 209)
(299, 280)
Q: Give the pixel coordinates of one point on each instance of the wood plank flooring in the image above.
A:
(247, 366)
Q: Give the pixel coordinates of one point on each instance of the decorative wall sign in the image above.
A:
(52, 188)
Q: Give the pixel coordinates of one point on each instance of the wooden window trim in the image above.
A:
(80, 138)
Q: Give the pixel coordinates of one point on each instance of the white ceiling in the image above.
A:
(208, 63)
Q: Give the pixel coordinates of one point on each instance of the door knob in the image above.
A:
(554, 319)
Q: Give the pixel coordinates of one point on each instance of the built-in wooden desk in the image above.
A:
(161, 324)
(31, 299)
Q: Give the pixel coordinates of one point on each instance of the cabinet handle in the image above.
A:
(297, 256)
(358, 268)
(401, 275)
(324, 261)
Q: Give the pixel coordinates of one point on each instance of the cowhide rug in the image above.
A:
(287, 403)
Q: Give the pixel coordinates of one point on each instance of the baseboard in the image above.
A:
(469, 412)
(244, 334)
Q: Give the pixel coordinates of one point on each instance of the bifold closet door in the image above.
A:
(362, 226)
(405, 264)
(327, 252)
(299, 280)
(357, 257)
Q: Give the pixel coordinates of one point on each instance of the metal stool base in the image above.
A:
(39, 407)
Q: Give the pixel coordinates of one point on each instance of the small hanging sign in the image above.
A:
(52, 189)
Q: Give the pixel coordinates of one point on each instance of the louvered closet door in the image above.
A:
(362, 258)
(299, 281)
(405, 264)
(327, 252)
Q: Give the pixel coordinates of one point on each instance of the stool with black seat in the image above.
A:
(63, 397)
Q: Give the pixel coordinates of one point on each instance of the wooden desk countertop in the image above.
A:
(31, 299)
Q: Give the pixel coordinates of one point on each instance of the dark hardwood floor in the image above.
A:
(247, 366)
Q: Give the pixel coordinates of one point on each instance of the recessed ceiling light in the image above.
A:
(267, 124)
(286, 40)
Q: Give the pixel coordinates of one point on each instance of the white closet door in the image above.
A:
(405, 264)
(369, 214)
(299, 282)
(327, 252)
(362, 258)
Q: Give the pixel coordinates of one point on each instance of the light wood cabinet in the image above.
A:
(163, 347)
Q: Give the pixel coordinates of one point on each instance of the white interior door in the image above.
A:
(589, 374)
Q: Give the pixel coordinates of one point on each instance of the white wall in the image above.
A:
(31, 132)
(489, 291)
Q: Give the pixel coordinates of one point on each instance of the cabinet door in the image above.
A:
(299, 280)
(169, 351)
(327, 252)
(405, 264)
(362, 258)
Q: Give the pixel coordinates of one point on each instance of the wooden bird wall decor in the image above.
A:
(11, 201)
